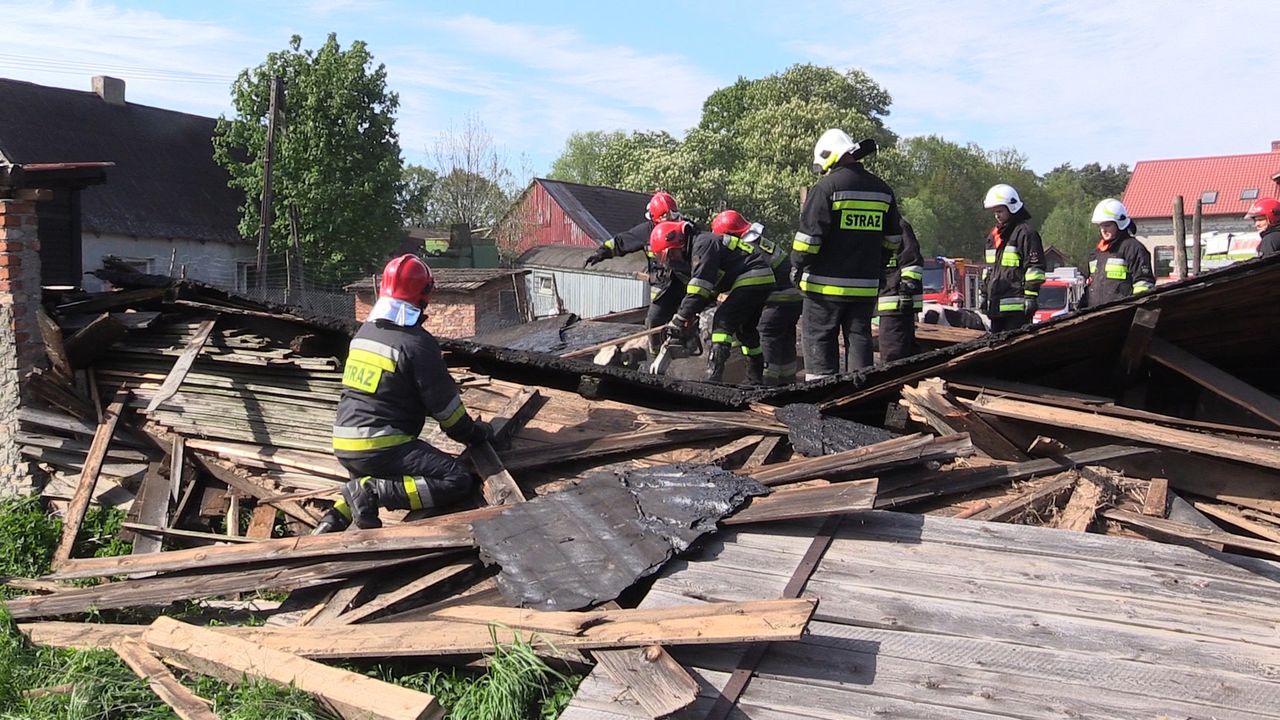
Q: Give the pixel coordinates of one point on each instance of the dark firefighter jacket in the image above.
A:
(1015, 267)
(902, 291)
(849, 217)
(393, 379)
(636, 239)
(1118, 270)
(1270, 244)
(779, 257)
(722, 263)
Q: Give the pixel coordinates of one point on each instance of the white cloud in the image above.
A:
(1071, 81)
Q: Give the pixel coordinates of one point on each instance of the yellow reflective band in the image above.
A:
(752, 352)
(411, 489)
(801, 246)
(653, 292)
(609, 243)
(343, 508)
(1011, 258)
(1012, 304)
(888, 303)
(837, 290)
(373, 359)
(370, 443)
(751, 280)
(361, 376)
(1141, 287)
(1031, 293)
(454, 417)
(1093, 266)
(1034, 275)
(721, 338)
(860, 205)
(991, 256)
(692, 289)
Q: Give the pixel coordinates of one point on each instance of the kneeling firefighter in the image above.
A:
(781, 314)
(394, 377)
(719, 263)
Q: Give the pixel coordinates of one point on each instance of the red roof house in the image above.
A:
(1226, 185)
(554, 212)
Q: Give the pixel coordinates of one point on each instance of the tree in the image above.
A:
(416, 194)
(337, 158)
(475, 185)
(580, 160)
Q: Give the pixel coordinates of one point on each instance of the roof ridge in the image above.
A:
(1212, 157)
(585, 185)
(128, 104)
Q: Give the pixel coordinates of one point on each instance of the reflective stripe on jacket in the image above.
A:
(722, 263)
(1118, 270)
(1015, 267)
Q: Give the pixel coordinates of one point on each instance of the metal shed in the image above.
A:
(558, 282)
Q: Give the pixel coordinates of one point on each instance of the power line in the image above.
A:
(80, 68)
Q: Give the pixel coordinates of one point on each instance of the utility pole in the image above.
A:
(1195, 237)
(266, 216)
(1179, 238)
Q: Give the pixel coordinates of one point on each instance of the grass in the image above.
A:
(517, 685)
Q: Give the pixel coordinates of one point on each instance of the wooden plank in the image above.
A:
(760, 456)
(51, 335)
(714, 455)
(514, 414)
(937, 408)
(152, 506)
(652, 676)
(145, 530)
(823, 501)
(1078, 515)
(443, 532)
(1223, 384)
(498, 487)
(1191, 532)
(404, 592)
(338, 602)
(231, 659)
(95, 340)
(110, 301)
(592, 349)
(1252, 453)
(1141, 330)
(1232, 516)
(184, 703)
(1156, 501)
(1033, 500)
(88, 479)
(906, 450)
(263, 523)
(611, 445)
(181, 367)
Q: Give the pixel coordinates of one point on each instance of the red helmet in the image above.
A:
(668, 236)
(1268, 208)
(730, 222)
(662, 207)
(407, 278)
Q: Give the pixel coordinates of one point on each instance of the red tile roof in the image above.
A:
(1154, 183)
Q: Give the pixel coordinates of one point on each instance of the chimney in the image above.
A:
(1275, 146)
(110, 89)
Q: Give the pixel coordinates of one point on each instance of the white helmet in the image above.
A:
(1003, 195)
(832, 146)
(1110, 210)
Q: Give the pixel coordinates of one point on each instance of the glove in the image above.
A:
(1033, 304)
(796, 274)
(481, 432)
(910, 287)
(677, 328)
(602, 253)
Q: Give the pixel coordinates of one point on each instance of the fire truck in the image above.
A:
(1060, 294)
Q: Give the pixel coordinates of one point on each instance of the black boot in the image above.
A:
(716, 359)
(755, 369)
(406, 493)
(361, 497)
(334, 520)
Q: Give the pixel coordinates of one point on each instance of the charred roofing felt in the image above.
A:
(165, 182)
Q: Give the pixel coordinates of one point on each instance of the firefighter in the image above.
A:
(666, 283)
(1119, 266)
(393, 378)
(720, 264)
(1015, 262)
(1265, 214)
(849, 218)
(781, 312)
(901, 297)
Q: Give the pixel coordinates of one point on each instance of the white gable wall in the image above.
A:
(216, 263)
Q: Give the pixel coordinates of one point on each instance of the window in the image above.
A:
(1209, 197)
(545, 284)
(142, 265)
(1249, 194)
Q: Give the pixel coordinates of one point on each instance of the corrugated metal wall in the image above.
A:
(582, 293)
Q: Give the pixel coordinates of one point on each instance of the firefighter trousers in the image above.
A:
(897, 337)
(739, 317)
(825, 322)
(663, 304)
(777, 328)
(442, 480)
(1000, 323)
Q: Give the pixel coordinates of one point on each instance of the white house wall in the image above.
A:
(215, 263)
(585, 294)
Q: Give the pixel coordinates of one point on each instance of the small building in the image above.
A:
(558, 282)
(465, 302)
(1055, 258)
(554, 212)
(456, 247)
(167, 205)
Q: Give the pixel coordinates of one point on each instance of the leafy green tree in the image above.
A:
(580, 160)
(418, 185)
(337, 157)
(476, 185)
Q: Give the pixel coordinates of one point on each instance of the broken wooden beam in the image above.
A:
(1192, 532)
(591, 349)
(88, 478)
(184, 703)
(93, 341)
(181, 367)
(151, 507)
(821, 501)
(654, 679)
(932, 404)
(413, 587)
(1034, 500)
(513, 415)
(1222, 384)
(905, 450)
(1156, 501)
(231, 659)
(597, 447)
(1141, 330)
(497, 485)
(1233, 517)
(1083, 504)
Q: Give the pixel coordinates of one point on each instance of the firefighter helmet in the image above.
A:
(668, 236)
(1003, 195)
(1268, 208)
(730, 222)
(1111, 210)
(832, 146)
(409, 279)
(662, 207)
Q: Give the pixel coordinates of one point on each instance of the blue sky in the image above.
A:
(1115, 81)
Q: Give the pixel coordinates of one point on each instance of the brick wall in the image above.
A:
(364, 303)
(20, 344)
(452, 314)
